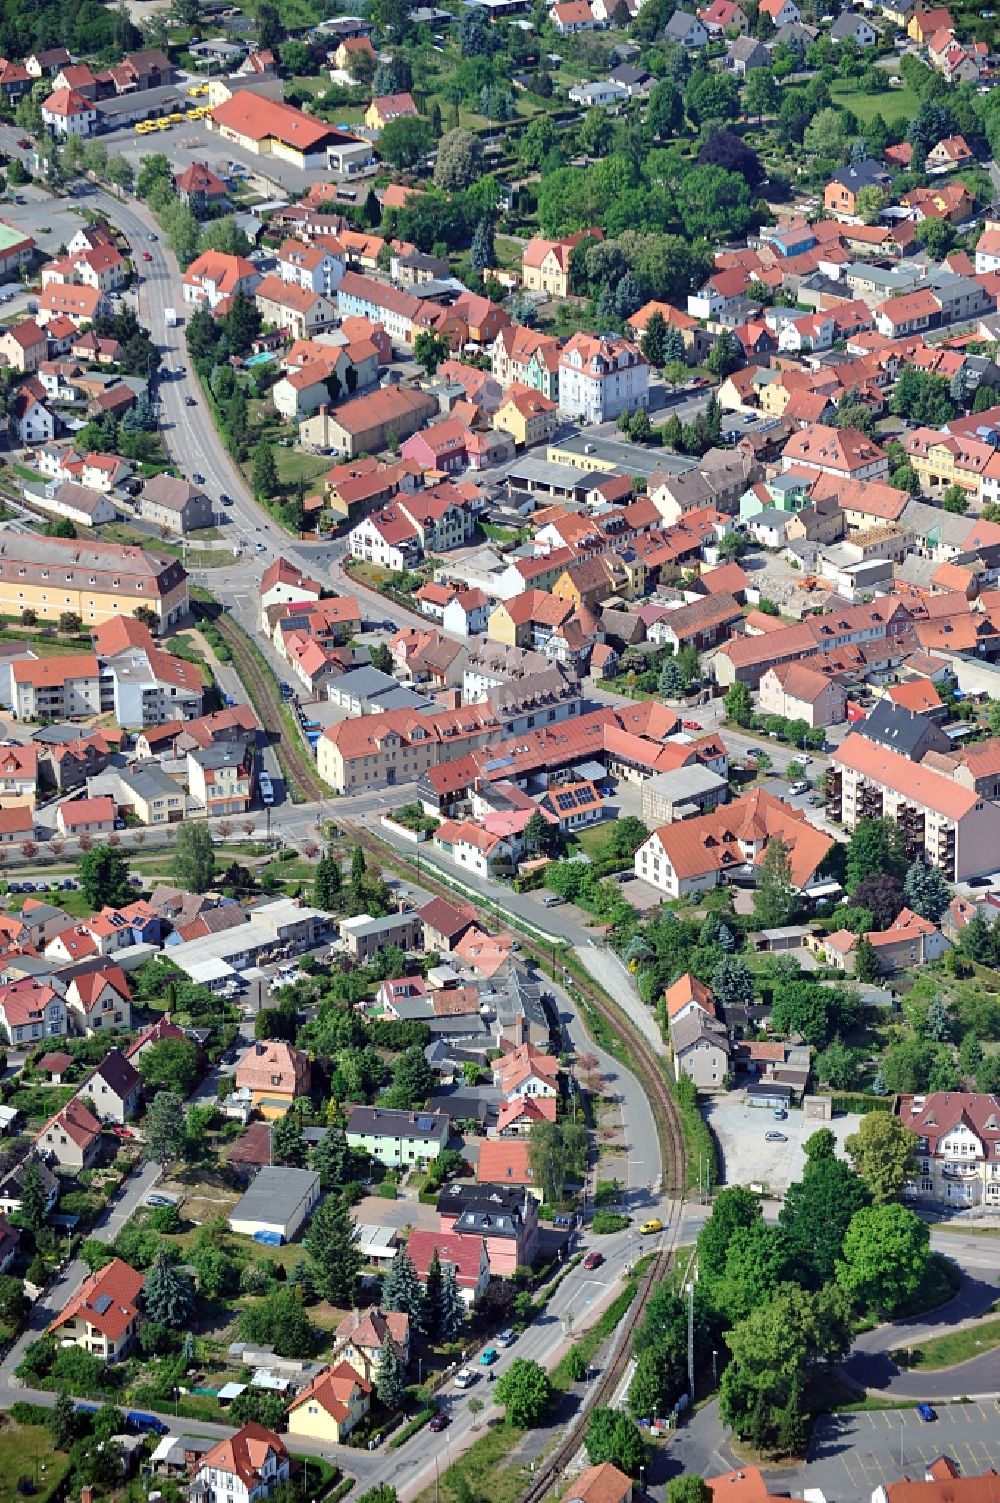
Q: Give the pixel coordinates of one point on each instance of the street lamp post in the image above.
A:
(715, 1369)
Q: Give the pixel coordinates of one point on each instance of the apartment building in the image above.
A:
(958, 1147)
(298, 310)
(220, 777)
(683, 858)
(147, 686)
(397, 746)
(398, 1139)
(55, 688)
(946, 825)
(602, 377)
(95, 580)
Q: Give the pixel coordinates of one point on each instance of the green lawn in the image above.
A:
(24, 1451)
(892, 105)
(946, 1351)
(295, 464)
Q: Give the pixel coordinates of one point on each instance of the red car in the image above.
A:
(123, 1132)
(440, 1421)
(24, 143)
(593, 1260)
(691, 725)
(146, 256)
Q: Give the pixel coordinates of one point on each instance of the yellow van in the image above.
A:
(651, 1226)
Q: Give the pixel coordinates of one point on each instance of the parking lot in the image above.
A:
(747, 1157)
(52, 222)
(852, 1454)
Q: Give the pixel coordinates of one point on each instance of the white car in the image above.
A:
(465, 1377)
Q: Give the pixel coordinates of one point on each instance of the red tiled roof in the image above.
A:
(107, 1300)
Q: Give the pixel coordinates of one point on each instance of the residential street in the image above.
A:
(106, 1229)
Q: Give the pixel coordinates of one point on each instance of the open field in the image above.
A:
(893, 105)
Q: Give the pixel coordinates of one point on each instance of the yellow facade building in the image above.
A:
(332, 1405)
(96, 581)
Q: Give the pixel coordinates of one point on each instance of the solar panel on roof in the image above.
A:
(103, 1303)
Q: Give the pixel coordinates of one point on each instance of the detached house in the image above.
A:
(840, 197)
(362, 1337)
(72, 1138)
(115, 1088)
(545, 264)
(686, 30)
(103, 1315)
(274, 1074)
(332, 1405)
(212, 278)
(246, 1468)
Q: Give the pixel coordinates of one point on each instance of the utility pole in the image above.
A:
(690, 1295)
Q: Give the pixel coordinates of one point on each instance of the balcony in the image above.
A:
(961, 1171)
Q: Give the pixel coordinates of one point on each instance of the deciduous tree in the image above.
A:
(886, 1250)
(882, 1151)
(525, 1392)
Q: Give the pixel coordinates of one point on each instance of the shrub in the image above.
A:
(605, 1222)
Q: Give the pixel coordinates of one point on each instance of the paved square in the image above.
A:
(852, 1454)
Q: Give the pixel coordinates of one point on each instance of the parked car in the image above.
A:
(439, 1421)
(654, 1224)
(691, 725)
(122, 1132)
(926, 1413)
(24, 143)
(488, 1356)
(775, 1137)
(507, 1338)
(465, 1377)
(593, 1259)
(155, 1199)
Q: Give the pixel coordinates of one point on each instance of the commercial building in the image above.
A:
(268, 127)
(94, 580)
(276, 1205)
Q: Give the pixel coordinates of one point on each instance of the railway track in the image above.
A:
(672, 1157)
(292, 751)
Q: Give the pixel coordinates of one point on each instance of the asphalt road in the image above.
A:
(57, 1297)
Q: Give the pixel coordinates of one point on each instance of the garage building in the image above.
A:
(277, 1203)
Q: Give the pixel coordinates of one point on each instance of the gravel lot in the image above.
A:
(746, 1156)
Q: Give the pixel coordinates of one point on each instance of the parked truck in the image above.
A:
(170, 318)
